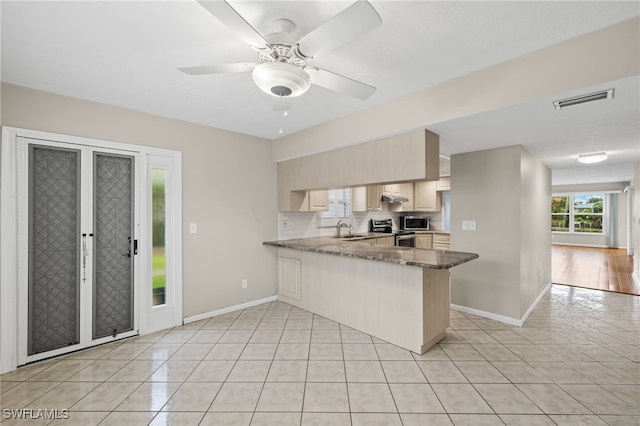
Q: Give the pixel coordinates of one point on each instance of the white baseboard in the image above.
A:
(587, 245)
(501, 318)
(211, 314)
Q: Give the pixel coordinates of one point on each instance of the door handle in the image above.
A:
(135, 248)
(128, 253)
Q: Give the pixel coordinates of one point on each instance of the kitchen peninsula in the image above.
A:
(397, 294)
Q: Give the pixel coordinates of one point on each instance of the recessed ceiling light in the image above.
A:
(594, 157)
(576, 100)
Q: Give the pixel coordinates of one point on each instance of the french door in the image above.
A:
(78, 233)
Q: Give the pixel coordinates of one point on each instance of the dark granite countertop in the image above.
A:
(363, 249)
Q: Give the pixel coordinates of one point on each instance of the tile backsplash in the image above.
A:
(304, 225)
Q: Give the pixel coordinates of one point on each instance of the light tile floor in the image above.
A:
(575, 362)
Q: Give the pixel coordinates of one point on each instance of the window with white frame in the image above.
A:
(339, 208)
(578, 213)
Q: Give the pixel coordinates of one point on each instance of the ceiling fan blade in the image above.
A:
(346, 26)
(340, 83)
(219, 69)
(232, 19)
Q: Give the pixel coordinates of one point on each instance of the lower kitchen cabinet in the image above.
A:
(441, 241)
(424, 241)
(386, 241)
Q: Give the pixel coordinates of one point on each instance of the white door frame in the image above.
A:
(86, 286)
(9, 244)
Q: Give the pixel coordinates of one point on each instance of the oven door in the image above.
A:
(406, 240)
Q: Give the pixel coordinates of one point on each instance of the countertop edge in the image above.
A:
(379, 256)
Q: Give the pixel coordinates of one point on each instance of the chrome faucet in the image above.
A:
(339, 227)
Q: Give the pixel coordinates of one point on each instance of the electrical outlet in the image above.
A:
(193, 228)
(285, 223)
(244, 283)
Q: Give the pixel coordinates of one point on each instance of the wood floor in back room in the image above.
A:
(605, 269)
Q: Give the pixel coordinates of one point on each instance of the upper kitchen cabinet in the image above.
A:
(392, 190)
(318, 201)
(426, 197)
(444, 184)
(366, 199)
(408, 157)
(309, 201)
(405, 190)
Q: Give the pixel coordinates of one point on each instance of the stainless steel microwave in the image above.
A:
(414, 223)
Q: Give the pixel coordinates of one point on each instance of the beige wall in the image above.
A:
(535, 225)
(229, 190)
(573, 64)
(506, 191)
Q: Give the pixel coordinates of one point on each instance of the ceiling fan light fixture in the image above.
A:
(594, 157)
(281, 79)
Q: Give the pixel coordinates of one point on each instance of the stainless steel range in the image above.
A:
(403, 238)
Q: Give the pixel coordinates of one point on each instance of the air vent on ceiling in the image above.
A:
(605, 94)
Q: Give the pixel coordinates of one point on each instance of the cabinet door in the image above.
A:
(425, 196)
(386, 241)
(318, 201)
(359, 199)
(424, 241)
(403, 190)
(392, 189)
(406, 190)
(374, 198)
(444, 184)
(441, 246)
(441, 242)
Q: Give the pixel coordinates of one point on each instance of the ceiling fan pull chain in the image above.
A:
(284, 115)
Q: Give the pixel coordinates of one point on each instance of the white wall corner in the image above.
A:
(501, 318)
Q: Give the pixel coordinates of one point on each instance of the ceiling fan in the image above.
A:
(283, 69)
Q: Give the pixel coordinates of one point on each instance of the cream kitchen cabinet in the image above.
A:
(392, 190)
(360, 165)
(424, 241)
(426, 197)
(318, 201)
(310, 201)
(386, 241)
(441, 241)
(402, 190)
(366, 199)
(444, 184)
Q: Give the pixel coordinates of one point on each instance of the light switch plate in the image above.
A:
(468, 225)
(193, 228)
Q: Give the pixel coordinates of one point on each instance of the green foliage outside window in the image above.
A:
(577, 213)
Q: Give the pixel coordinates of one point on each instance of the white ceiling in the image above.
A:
(126, 53)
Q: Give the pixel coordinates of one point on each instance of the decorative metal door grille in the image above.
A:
(113, 244)
(54, 252)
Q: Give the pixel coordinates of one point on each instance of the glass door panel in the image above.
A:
(159, 231)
